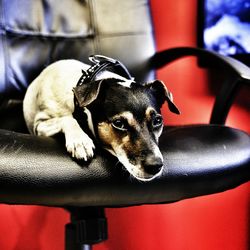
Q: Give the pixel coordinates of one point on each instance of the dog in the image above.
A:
(121, 115)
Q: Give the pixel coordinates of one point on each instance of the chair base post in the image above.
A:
(88, 226)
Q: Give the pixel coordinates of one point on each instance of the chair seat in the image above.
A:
(198, 160)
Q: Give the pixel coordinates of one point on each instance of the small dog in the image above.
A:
(121, 115)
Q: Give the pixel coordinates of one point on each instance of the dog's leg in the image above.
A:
(44, 125)
(78, 143)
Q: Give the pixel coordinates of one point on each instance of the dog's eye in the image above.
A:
(119, 124)
(157, 121)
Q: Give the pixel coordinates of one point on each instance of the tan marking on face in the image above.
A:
(109, 136)
(128, 116)
(106, 134)
(123, 145)
(117, 142)
(149, 112)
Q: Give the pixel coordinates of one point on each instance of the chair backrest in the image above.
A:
(36, 33)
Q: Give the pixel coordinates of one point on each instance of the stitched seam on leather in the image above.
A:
(93, 24)
(67, 36)
(122, 34)
(153, 31)
(46, 35)
(51, 36)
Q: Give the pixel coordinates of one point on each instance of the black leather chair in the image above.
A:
(198, 159)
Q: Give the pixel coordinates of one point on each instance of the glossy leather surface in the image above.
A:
(41, 32)
(198, 160)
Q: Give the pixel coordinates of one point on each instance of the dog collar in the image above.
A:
(102, 63)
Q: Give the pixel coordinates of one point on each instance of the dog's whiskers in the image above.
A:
(117, 163)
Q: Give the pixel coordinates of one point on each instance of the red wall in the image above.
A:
(217, 222)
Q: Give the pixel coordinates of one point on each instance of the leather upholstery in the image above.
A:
(45, 31)
(198, 160)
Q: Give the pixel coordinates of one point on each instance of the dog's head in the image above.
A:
(125, 117)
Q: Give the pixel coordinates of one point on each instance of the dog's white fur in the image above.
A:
(49, 104)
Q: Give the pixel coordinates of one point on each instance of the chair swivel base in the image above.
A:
(88, 226)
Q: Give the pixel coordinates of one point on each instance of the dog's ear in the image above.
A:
(163, 94)
(87, 93)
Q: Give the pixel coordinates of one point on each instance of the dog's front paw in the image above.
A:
(80, 146)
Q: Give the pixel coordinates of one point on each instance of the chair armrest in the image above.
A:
(237, 74)
(198, 160)
(162, 58)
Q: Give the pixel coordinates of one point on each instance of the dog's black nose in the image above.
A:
(153, 165)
